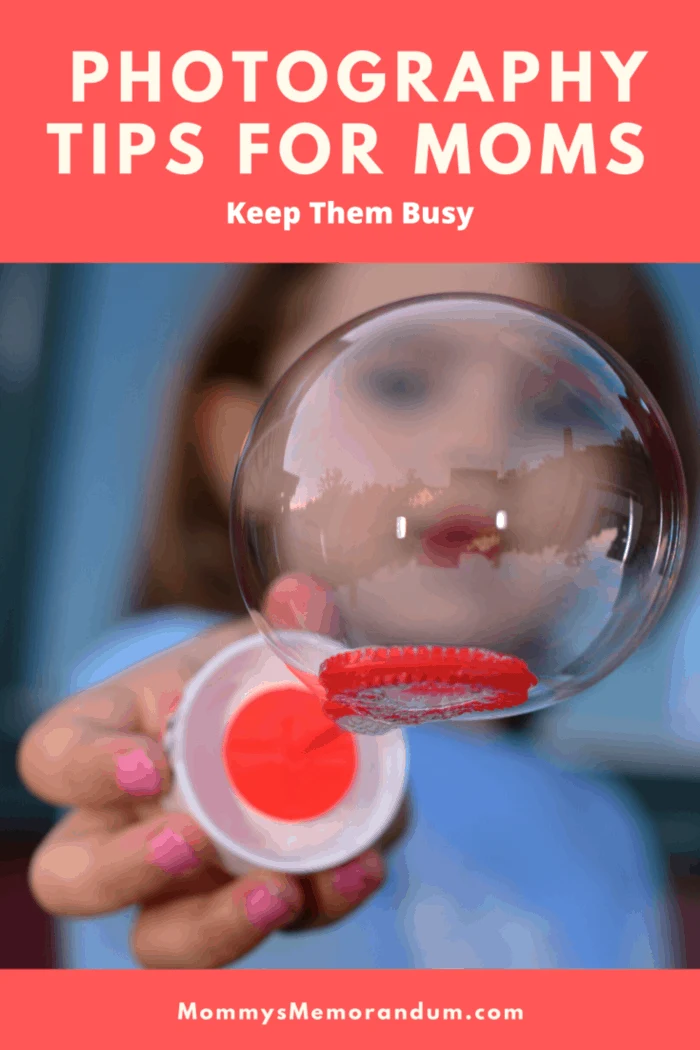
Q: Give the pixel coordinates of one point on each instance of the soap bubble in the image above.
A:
(474, 506)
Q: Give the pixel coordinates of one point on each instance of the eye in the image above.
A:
(401, 388)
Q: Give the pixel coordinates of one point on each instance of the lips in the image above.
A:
(458, 534)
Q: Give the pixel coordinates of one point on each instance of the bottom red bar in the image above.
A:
(306, 1008)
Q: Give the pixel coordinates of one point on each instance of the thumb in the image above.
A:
(300, 602)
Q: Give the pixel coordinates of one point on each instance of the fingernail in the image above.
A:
(171, 852)
(168, 705)
(170, 701)
(359, 878)
(137, 774)
(269, 906)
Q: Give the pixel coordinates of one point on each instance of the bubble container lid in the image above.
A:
(245, 837)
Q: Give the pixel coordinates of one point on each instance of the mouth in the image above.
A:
(459, 534)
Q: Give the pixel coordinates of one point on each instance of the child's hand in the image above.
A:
(100, 754)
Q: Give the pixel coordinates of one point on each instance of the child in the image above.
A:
(543, 869)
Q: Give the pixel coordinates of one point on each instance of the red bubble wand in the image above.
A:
(398, 685)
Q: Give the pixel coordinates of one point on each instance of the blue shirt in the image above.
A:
(510, 862)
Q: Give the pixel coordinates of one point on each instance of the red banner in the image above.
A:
(494, 1009)
(153, 131)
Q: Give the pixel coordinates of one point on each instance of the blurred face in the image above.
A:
(406, 459)
(343, 293)
(347, 291)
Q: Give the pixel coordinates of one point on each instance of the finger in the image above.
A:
(331, 895)
(301, 602)
(343, 889)
(325, 895)
(89, 866)
(158, 682)
(211, 930)
(84, 762)
(100, 744)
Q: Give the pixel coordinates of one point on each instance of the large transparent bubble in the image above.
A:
(460, 506)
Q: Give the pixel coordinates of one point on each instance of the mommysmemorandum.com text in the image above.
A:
(304, 1011)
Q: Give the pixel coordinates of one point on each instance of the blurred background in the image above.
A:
(88, 356)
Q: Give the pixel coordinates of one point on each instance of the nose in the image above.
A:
(478, 430)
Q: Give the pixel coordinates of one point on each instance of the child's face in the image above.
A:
(420, 448)
(347, 291)
(435, 493)
(343, 293)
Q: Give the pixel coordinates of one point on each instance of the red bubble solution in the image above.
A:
(431, 683)
(285, 758)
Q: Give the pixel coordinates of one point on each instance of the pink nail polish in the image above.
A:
(170, 701)
(358, 879)
(137, 774)
(169, 851)
(168, 705)
(266, 909)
